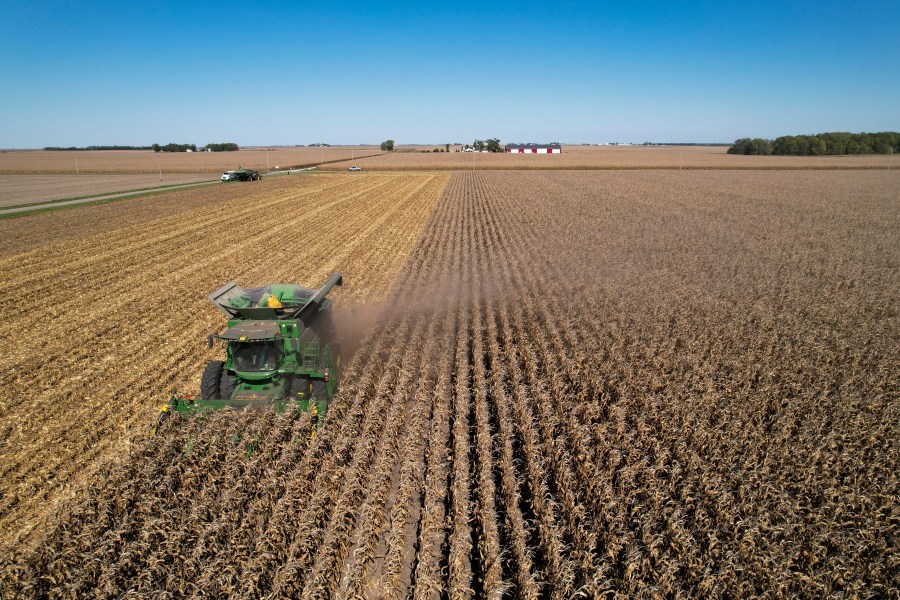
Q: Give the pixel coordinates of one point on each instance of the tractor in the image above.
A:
(279, 350)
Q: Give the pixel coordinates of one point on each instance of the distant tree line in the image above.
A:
(491, 145)
(223, 147)
(170, 147)
(821, 144)
(70, 148)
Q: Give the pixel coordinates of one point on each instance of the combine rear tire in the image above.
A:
(210, 382)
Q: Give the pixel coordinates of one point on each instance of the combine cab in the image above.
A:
(278, 350)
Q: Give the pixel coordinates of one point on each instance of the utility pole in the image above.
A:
(77, 172)
(159, 166)
(267, 161)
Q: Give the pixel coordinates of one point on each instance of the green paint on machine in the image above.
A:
(279, 351)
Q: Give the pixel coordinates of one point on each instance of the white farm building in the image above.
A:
(534, 148)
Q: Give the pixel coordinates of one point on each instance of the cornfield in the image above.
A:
(580, 384)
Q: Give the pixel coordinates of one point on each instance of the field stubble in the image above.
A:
(114, 313)
(629, 384)
(21, 189)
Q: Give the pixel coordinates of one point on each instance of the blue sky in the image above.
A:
(82, 73)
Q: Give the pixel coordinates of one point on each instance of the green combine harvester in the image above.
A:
(279, 350)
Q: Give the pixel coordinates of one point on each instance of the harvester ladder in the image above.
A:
(311, 355)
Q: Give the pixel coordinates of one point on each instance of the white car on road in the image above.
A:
(354, 169)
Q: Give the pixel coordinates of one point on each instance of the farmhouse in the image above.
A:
(534, 148)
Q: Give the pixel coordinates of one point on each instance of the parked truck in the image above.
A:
(241, 175)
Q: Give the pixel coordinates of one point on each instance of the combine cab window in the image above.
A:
(255, 356)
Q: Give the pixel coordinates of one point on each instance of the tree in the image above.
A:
(223, 147)
(881, 143)
(446, 147)
(479, 145)
(387, 145)
(172, 147)
(817, 146)
(740, 146)
(156, 147)
(786, 145)
(834, 142)
(493, 145)
(760, 147)
(757, 146)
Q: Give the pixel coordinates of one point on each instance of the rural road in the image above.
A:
(47, 205)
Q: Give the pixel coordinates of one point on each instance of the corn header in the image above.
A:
(279, 350)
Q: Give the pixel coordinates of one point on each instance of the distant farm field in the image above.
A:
(417, 158)
(567, 384)
(615, 157)
(21, 189)
(145, 161)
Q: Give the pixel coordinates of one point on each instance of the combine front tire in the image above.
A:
(319, 401)
(227, 384)
(319, 390)
(299, 385)
(210, 382)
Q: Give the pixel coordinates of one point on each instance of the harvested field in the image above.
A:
(625, 384)
(145, 161)
(22, 189)
(408, 157)
(112, 302)
(615, 157)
